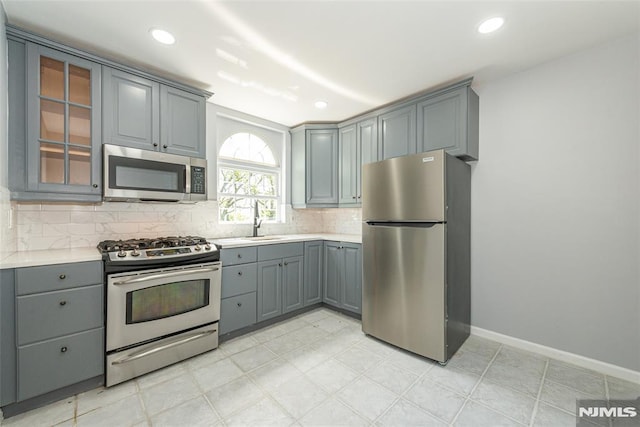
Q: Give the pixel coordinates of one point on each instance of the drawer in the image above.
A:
(233, 256)
(54, 364)
(31, 280)
(239, 279)
(237, 312)
(283, 250)
(53, 314)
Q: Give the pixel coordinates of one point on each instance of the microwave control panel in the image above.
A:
(198, 179)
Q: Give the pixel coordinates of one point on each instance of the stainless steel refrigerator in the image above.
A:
(416, 252)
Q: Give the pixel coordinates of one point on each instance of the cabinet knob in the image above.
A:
(95, 186)
(239, 304)
(239, 255)
(63, 349)
(239, 273)
(63, 303)
(155, 144)
(280, 264)
(63, 276)
(165, 146)
(354, 197)
(286, 263)
(359, 197)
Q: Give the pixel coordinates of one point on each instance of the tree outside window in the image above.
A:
(247, 174)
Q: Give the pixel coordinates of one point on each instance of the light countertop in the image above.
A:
(63, 256)
(49, 256)
(238, 242)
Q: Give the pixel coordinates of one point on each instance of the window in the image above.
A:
(247, 174)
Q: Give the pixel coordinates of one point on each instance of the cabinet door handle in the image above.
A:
(286, 263)
(62, 276)
(239, 273)
(155, 144)
(354, 197)
(63, 303)
(359, 197)
(164, 146)
(95, 185)
(63, 349)
(239, 304)
(280, 264)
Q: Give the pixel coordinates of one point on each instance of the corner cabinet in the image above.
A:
(314, 166)
(54, 125)
(145, 114)
(343, 275)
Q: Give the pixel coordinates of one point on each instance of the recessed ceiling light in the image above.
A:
(321, 104)
(162, 36)
(490, 25)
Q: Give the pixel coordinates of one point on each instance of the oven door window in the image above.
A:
(146, 175)
(166, 300)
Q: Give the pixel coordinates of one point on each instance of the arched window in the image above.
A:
(248, 173)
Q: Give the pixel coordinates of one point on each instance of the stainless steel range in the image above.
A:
(163, 303)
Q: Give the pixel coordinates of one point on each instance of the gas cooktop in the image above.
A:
(162, 250)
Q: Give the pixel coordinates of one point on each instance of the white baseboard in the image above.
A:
(565, 356)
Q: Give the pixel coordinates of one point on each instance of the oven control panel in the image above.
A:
(185, 252)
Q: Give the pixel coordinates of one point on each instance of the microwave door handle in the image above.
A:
(187, 180)
(165, 275)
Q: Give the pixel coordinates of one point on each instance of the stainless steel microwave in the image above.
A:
(135, 175)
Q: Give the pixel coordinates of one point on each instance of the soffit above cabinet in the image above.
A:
(275, 59)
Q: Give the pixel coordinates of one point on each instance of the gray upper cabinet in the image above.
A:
(183, 122)
(367, 136)
(131, 107)
(142, 113)
(348, 166)
(397, 132)
(54, 125)
(450, 121)
(314, 166)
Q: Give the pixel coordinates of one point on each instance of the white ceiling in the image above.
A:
(274, 59)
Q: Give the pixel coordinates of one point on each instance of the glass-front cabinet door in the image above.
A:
(63, 122)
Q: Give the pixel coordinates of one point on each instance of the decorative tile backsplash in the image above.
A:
(58, 226)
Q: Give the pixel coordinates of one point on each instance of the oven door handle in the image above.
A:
(139, 355)
(165, 275)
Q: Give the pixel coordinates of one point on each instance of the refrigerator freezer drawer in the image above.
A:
(403, 301)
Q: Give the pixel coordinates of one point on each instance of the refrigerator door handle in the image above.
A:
(421, 224)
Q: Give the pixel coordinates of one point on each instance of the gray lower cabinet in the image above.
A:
(314, 166)
(59, 333)
(313, 272)
(280, 279)
(397, 132)
(450, 121)
(343, 275)
(54, 125)
(143, 113)
(239, 288)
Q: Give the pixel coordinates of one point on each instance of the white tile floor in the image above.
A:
(318, 369)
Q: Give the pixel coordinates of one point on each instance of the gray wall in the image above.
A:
(555, 216)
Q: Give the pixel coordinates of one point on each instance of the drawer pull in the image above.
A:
(63, 276)
(63, 303)
(63, 349)
(239, 255)
(239, 273)
(239, 304)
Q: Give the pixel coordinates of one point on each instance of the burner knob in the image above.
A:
(122, 253)
(207, 247)
(197, 248)
(135, 252)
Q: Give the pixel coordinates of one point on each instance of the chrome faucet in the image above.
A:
(257, 222)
